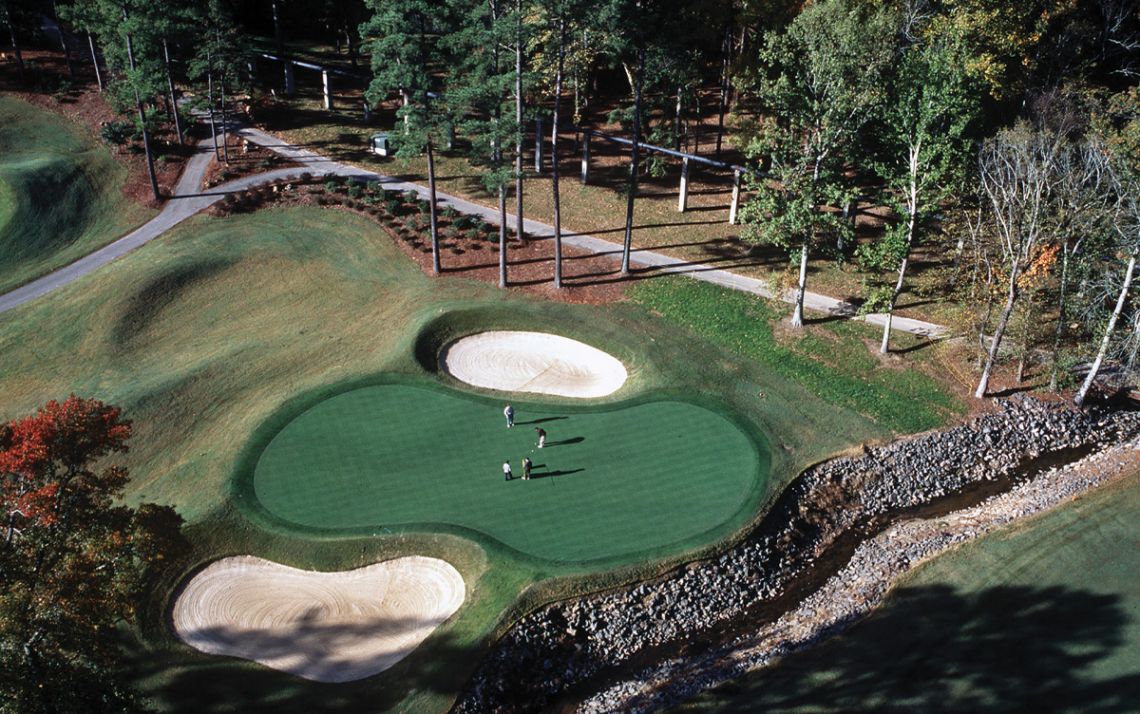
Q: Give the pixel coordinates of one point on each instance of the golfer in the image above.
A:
(526, 468)
(541, 436)
(509, 413)
(507, 475)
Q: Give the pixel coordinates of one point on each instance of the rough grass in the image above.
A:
(1042, 617)
(205, 334)
(832, 361)
(60, 194)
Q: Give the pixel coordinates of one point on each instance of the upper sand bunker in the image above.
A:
(328, 627)
(533, 362)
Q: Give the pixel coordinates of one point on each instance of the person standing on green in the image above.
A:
(509, 413)
(527, 465)
(507, 475)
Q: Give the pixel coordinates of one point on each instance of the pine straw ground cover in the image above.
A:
(207, 333)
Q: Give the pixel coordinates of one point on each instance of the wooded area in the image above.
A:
(1001, 138)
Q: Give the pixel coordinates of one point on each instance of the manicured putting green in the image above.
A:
(609, 483)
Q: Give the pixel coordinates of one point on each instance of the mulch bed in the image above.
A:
(468, 247)
(246, 159)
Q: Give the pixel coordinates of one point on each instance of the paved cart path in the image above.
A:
(189, 200)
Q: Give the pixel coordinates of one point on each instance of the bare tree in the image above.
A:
(1125, 188)
(1017, 172)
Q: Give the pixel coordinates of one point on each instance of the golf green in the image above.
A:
(613, 481)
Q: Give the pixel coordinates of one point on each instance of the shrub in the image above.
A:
(463, 221)
(449, 212)
(115, 132)
(411, 196)
(331, 185)
(354, 189)
(306, 177)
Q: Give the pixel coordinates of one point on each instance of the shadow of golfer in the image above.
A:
(565, 442)
(545, 474)
(540, 421)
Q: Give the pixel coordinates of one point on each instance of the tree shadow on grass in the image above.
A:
(937, 649)
(188, 681)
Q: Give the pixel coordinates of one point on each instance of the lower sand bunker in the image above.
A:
(534, 362)
(328, 627)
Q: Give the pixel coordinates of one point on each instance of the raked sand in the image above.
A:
(328, 627)
(534, 362)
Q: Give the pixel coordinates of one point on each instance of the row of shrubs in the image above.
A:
(394, 208)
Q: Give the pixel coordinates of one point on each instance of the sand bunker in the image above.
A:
(533, 362)
(329, 627)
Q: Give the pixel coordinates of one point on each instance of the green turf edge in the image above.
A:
(242, 487)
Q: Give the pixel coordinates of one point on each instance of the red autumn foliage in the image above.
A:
(43, 453)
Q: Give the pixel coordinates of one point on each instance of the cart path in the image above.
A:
(189, 200)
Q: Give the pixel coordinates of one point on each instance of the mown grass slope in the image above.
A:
(60, 194)
(208, 335)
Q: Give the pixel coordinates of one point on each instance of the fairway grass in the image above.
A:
(219, 330)
(60, 194)
(611, 482)
(1043, 616)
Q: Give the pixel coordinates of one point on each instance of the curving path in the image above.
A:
(188, 200)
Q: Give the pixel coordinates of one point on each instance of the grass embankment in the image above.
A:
(204, 336)
(1041, 617)
(60, 194)
(833, 360)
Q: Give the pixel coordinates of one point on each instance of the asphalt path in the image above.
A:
(189, 199)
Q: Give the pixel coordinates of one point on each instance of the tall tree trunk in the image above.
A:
(277, 36)
(677, 121)
(210, 103)
(15, 46)
(801, 285)
(95, 61)
(432, 212)
(1026, 332)
(225, 128)
(633, 163)
(519, 233)
(170, 89)
(995, 345)
(911, 221)
(554, 153)
(63, 45)
(1082, 394)
(809, 234)
(725, 66)
(1059, 331)
(142, 119)
(502, 235)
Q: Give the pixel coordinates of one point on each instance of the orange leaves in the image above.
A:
(67, 434)
(1040, 268)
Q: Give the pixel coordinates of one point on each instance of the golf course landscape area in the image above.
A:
(569, 357)
(325, 435)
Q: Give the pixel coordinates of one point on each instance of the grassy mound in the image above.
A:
(60, 194)
(400, 454)
(1045, 617)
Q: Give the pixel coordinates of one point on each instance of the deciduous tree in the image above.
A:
(74, 560)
